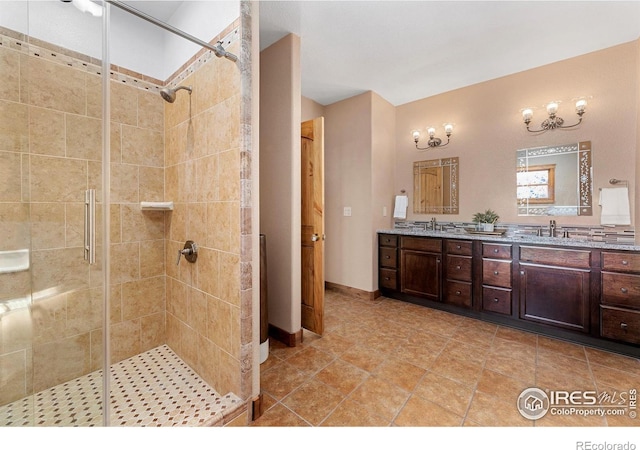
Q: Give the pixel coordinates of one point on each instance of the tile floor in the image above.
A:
(155, 388)
(390, 363)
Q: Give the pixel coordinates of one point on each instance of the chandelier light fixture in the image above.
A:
(554, 121)
(433, 141)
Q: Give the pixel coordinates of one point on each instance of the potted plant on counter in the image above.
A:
(486, 220)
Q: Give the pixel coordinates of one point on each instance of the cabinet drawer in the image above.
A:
(388, 257)
(459, 248)
(388, 240)
(620, 289)
(388, 279)
(496, 273)
(459, 268)
(620, 324)
(621, 262)
(421, 244)
(556, 256)
(501, 251)
(459, 293)
(496, 300)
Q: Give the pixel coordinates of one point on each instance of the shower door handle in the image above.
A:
(90, 226)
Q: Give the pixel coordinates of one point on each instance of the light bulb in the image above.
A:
(527, 114)
(416, 135)
(552, 108)
(448, 128)
(431, 131)
(581, 105)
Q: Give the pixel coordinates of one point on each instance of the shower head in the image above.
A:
(169, 94)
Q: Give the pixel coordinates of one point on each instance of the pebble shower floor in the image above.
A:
(155, 388)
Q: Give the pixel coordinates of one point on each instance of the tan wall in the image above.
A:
(280, 191)
(203, 179)
(311, 109)
(489, 129)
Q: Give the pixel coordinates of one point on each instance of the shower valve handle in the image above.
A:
(190, 252)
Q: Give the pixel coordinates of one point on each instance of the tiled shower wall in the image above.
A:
(204, 169)
(50, 141)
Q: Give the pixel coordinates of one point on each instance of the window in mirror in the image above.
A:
(435, 186)
(555, 180)
(537, 184)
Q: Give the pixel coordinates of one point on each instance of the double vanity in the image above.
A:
(582, 291)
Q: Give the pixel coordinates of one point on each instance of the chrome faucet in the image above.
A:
(433, 223)
(552, 228)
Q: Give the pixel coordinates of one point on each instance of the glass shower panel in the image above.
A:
(51, 298)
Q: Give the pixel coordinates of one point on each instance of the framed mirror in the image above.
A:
(555, 180)
(435, 186)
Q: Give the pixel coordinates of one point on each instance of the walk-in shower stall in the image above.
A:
(102, 182)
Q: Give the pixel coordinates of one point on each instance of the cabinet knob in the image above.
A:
(495, 272)
(458, 247)
(458, 267)
(458, 292)
(522, 272)
(495, 300)
(624, 290)
(623, 326)
(625, 263)
(387, 278)
(495, 250)
(387, 257)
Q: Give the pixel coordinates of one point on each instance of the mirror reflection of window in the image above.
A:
(537, 184)
(435, 186)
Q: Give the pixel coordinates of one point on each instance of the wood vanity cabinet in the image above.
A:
(421, 267)
(458, 289)
(388, 261)
(555, 286)
(620, 299)
(496, 278)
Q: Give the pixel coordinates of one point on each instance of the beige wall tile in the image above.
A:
(115, 142)
(151, 184)
(229, 279)
(47, 225)
(74, 224)
(13, 372)
(61, 269)
(229, 175)
(208, 361)
(219, 226)
(178, 299)
(97, 353)
(197, 223)
(124, 183)
(94, 95)
(16, 332)
(173, 333)
(48, 188)
(228, 76)
(189, 345)
(140, 225)
(177, 224)
(143, 297)
(83, 311)
(207, 271)
(84, 137)
(115, 228)
(10, 75)
(11, 176)
(14, 222)
(152, 258)
(150, 110)
(60, 361)
(15, 285)
(55, 86)
(230, 374)
(142, 146)
(124, 104)
(125, 340)
(198, 311)
(208, 93)
(219, 323)
(207, 184)
(115, 304)
(125, 262)
(178, 111)
(14, 127)
(152, 331)
(46, 131)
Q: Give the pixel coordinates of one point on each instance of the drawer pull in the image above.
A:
(625, 263)
(623, 326)
(495, 300)
(458, 247)
(495, 250)
(458, 267)
(495, 272)
(387, 278)
(624, 290)
(387, 257)
(458, 292)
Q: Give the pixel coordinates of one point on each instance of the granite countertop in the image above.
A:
(525, 239)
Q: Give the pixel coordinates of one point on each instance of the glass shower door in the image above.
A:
(51, 151)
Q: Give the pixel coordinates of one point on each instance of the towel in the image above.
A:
(400, 211)
(615, 206)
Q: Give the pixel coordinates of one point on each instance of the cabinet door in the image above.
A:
(555, 296)
(421, 274)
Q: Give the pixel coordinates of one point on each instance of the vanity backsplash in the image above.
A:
(611, 235)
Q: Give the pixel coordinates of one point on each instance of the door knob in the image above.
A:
(315, 237)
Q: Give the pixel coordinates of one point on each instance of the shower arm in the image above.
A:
(217, 49)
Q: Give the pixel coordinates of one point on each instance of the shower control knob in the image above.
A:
(190, 252)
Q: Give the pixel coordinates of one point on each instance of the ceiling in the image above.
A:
(408, 50)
